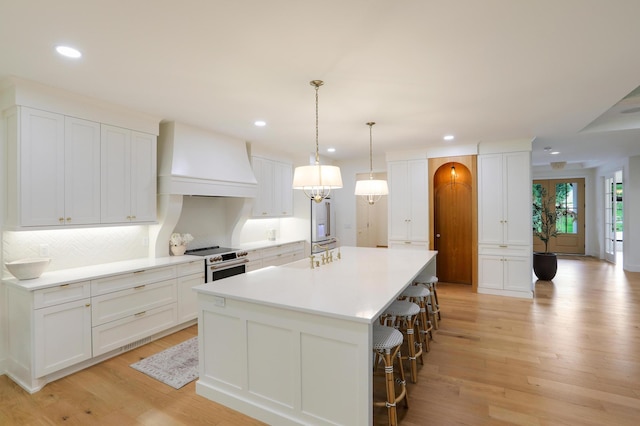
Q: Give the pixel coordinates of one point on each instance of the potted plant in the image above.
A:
(178, 243)
(545, 264)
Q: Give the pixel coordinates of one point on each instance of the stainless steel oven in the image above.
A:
(221, 262)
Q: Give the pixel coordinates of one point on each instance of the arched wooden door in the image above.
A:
(453, 229)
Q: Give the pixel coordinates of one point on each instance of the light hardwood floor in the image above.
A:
(569, 357)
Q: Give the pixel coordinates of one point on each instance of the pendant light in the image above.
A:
(315, 180)
(371, 189)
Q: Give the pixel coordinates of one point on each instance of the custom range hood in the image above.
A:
(193, 161)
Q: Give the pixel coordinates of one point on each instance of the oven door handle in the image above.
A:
(229, 264)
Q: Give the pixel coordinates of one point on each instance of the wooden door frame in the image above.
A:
(470, 162)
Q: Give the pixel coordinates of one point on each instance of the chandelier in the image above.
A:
(316, 180)
(371, 189)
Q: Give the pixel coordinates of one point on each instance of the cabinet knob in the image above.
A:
(133, 217)
(87, 305)
(61, 219)
(68, 219)
(128, 217)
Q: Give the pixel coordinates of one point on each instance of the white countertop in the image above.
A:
(68, 276)
(357, 287)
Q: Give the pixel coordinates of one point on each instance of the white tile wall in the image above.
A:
(71, 248)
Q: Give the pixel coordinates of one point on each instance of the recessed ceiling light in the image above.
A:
(331, 150)
(448, 137)
(260, 123)
(69, 52)
(554, 152)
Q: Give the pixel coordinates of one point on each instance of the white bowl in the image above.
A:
(27, 269)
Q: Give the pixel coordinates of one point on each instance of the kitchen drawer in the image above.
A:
(504, 250)
(254, 255)
(115, 334)
(113, 306)
(190, 268)
(277, 250)
(132, 279)
(278, 260)
(253, 265)
(61, 294)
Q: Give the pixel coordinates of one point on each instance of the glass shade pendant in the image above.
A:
(371, 189)
(316, 180)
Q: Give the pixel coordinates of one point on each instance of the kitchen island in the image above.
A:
(292, 344)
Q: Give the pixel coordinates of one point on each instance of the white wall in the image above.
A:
(345, 200)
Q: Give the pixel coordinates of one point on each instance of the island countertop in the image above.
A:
(357, 287)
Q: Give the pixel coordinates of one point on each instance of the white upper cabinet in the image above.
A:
(408, 203)
(128, 176)
(275, 193)
(53, 169)
(504, 188)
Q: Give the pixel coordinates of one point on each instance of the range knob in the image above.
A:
(242, 253)
(215, 259)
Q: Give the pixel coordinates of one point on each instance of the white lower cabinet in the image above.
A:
(55, 331)
(505, 271)
(113, 335)
(62, 332)
(189, 275)
(282, 254)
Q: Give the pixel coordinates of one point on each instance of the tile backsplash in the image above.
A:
(71, 248)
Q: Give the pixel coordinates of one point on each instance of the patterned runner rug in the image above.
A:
(175, 366)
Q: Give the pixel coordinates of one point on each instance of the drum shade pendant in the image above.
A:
(316, 180)
(371, 189)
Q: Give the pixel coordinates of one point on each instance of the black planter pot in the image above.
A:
(545, 265)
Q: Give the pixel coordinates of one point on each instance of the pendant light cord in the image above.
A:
(317, 84)
(370, 124)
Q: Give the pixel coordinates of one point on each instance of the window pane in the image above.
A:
(567, 207)
(535, 200)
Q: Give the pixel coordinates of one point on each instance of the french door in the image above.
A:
(569, 204)
(610, 201)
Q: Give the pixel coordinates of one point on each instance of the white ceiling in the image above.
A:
(483, 70)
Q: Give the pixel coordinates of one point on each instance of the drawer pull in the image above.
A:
(140, 287)
(502, 246)
(139, 272)
(139, 314)
(87, 305)
(64, 285)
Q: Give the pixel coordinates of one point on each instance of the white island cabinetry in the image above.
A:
(292, 345)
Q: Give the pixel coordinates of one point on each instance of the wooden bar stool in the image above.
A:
(402, 315)
(431, 284)
(420, 295)
(386, 345)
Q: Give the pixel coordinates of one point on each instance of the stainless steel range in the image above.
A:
(221, 262)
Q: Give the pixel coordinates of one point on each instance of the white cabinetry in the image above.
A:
(282, 253)
(128, 168)
(62, 331)
(54, 169)
(274, 255)
(129, 307)
(408, 204)
(504, 224)
(189, 275)
(55, 331)
(275, 193)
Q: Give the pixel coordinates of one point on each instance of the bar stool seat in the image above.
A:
(403, 314)
(387, 342)
(432, 285)
(420, 296)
